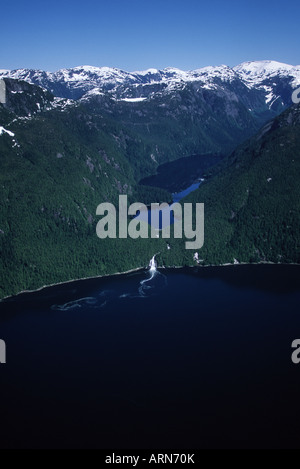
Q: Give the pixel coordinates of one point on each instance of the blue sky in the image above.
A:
(136, 35)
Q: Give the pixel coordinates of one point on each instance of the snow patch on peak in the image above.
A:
(98, 70)
(92, 69)
(220, 71)
(175, 70)
(93, 75)
(94, 92)
(254, 73)
(213, 68)
(262, 66)
(150, 71)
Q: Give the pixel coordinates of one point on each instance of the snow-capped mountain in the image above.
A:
(271, 78)
(74, 83)
(275, 79)
(213, 108)
(255, 73)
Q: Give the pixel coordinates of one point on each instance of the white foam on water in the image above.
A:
(89, 301)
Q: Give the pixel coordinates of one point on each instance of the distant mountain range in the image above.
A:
(271, 78)
(207, 110)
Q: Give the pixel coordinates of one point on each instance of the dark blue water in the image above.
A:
(146, 216)
(180, 195)
(189, 359)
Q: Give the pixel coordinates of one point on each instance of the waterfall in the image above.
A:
(153, 272)
(152, 265)
(152, 284)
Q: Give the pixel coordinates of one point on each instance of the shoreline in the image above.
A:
(70, 281)
(137, 269)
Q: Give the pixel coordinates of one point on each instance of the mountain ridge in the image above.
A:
(76, 82)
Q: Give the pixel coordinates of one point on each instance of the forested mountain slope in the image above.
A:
(252, 202)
